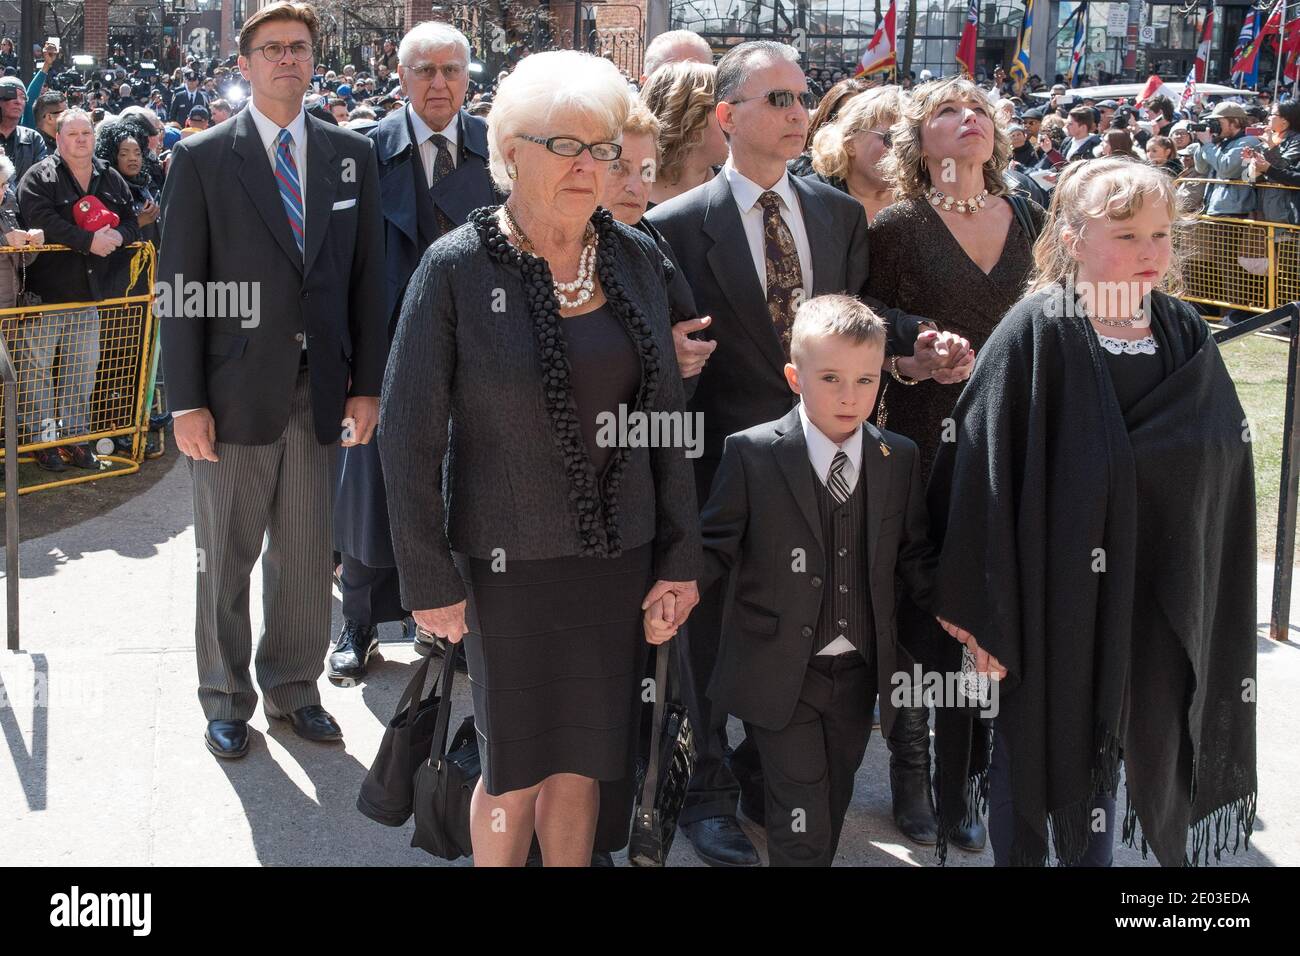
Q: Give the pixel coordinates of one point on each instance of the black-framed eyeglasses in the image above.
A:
(781, 99)
(569, 147)
(274, 52)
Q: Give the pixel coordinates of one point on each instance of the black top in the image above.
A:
(606, 373)
(1134, 373)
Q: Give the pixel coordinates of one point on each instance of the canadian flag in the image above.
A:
(1151, 89)
(880, 53)
(1203, 51)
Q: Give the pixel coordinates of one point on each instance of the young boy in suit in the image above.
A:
(814, 515)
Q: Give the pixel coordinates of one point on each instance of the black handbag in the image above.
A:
(387, 792)
(445, 779)
(663, 788)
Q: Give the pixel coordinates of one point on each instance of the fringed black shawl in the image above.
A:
(1108, 561)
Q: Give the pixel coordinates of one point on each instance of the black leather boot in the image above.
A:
(909, 776)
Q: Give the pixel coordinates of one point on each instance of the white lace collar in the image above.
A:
(1114, 346)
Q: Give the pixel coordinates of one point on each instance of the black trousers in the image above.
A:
(370, 595)
(809, 765)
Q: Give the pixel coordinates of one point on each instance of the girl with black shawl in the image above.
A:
(1097, 517)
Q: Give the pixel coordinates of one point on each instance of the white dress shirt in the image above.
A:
(269, 131)
(821, 452)
(746, 192)
(429, 152)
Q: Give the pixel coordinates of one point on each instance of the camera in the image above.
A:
(1212, 125)
(8, 92)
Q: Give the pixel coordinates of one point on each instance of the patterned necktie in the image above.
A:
(836, 482)
(442, 166)
(784, 276)
(286, 176)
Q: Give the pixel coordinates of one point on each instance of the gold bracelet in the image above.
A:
(898, 377)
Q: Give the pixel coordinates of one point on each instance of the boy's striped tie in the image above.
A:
(839, 488)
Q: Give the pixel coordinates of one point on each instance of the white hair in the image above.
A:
(430, 35)
(6, 169)
(663, 46)
(545, 89)
(69, 116)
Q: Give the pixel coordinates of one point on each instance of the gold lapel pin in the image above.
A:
(884, 449)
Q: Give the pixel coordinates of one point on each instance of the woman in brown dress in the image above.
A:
(954, 248)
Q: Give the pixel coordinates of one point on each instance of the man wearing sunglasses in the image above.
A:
(754, 242)
(285, 208)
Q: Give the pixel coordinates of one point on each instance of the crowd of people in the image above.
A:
(932, 387)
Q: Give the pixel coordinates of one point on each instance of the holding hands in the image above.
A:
(944, 356)
(985, 663)
(666, 608)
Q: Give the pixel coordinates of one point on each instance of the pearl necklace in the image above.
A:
(949, 203)
(584, 284)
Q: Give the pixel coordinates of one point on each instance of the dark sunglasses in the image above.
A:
(781, 99)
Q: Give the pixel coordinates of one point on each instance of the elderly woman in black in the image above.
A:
(531, 341)
(1096, 505)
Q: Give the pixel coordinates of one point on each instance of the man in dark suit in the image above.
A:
(283, 210)
(754, 242)
(1081, 126)
(812, 515)
(433, 172)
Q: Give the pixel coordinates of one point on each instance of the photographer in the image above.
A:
(1278, 162)
(1218, 154)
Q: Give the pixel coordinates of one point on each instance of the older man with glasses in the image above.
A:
(433, 171)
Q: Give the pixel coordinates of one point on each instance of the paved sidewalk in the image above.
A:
(105, 763)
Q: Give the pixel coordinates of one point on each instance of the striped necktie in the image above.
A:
(286, 177)
(836, 483)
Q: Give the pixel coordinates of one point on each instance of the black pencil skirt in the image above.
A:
(556, 656)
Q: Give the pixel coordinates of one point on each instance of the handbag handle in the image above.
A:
(651, 782)
(414, 693)
(438, 746)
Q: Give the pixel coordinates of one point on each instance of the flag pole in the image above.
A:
(1281, 49)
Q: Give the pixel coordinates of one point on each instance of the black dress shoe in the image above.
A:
(312, 722)
(972, 838)
(83, 457)
(49, 459)
(719, 841)
(347, 663)
(227, 739)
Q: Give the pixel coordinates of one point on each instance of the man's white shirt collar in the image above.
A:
(269, 130)
(821, 450)
(422, 131)
(746, 192)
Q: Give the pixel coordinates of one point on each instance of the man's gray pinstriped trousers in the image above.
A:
(280, 494)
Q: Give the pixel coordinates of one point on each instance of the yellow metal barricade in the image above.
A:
(83, 370)
(1235, 262)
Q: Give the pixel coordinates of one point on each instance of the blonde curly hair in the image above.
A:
(680, 95)
(905, 164)
(881, 106)
(1113, 187)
